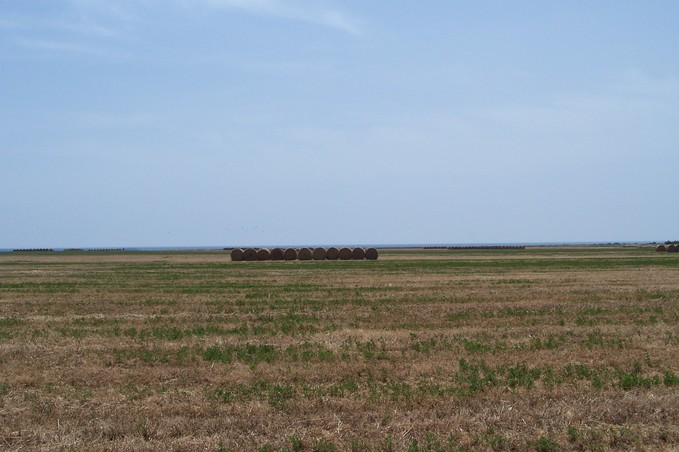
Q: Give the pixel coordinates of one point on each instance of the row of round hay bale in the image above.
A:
(332, 254)
(290, 254)
(250, 254)
(263, 254)
(344, 254)
(277, 254)
(236, 254)
(671, 248)
(319, 254)
(371, 254)
(303, 254)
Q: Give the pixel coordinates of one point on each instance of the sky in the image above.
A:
(312, 122)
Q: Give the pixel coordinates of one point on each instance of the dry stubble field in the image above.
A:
(542, 349)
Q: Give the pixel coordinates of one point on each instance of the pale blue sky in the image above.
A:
(262, 122)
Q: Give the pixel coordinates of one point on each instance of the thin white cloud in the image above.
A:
(77, 26)
(307, 11)
(102, 120)
(85, 26)
(312, 11)
(624, 102)
(58, 46)
(641, 84)
(117, 11)
(7, 24)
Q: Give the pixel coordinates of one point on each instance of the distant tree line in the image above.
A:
(477, 247)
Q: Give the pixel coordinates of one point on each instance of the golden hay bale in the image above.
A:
(319, 254)
(357, 253)
(672, 248)
(236, 254)
(332, 253)
(290, 254)
(371, 254)
(345, 254)
(263, 255)
(277, 254)
(660, 248)
(304, 254)
(250, 254)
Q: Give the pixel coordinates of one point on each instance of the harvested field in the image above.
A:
(555, 348)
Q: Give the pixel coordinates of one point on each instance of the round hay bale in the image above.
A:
(371, 254)
(277, 254)
(318, 254)
(305, 254)
(332, 254)
(263, 255)
(290, 254)
(250, 254)
(357, 253)
(236, 254)
(345, 254)
(660, 248)
(672, 248)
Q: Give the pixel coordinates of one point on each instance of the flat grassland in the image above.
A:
(539, 349)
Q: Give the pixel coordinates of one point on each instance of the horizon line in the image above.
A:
(373, 245)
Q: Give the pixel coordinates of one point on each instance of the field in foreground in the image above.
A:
(541, 349)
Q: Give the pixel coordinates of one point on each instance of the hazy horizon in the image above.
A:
(299, 245)
(330, 121)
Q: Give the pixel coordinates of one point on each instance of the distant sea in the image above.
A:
(364, 245)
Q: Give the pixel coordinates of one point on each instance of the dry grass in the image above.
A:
(542, 349)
